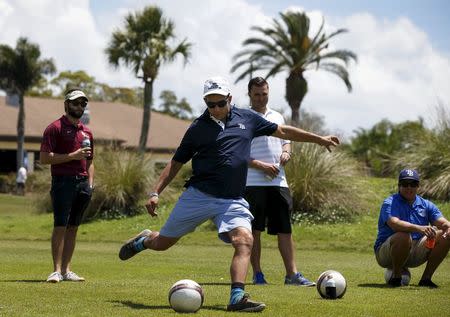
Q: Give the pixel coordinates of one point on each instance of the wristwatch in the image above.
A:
(154, 194)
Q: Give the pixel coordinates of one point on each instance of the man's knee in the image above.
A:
(401, 239)
(241, 238)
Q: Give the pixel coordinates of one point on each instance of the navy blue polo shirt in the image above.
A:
(220, 156)
(422, 212)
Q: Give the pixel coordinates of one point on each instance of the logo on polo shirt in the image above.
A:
(422, 212)
(242, 126)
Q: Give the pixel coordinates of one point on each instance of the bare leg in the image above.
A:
(255, 257)
(287, 251)
(400, 248)
(242, 241)
(57, 247)
(159, 243)
(69, 246)
(437, 255)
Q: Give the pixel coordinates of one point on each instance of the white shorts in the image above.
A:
(195, 207)
(418, 254)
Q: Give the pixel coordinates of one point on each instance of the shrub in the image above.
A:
(122, 181)
(431, 157)
(7, 183)
(322, 185)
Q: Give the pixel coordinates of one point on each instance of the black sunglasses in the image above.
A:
(81, 103)
(409, 184)
(220, 104)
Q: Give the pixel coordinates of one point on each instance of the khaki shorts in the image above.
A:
(418, 254)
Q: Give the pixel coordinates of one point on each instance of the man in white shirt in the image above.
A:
(20, 180)
(267, 190)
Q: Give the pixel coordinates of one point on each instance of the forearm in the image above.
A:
(442, 224)
(298, 135)
(167, 175)
(90, 170)
(256, 164)
(403, 226)
(55, 158)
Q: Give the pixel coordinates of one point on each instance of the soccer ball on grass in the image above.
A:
(406, 276)
(186, 296)
(331, 285)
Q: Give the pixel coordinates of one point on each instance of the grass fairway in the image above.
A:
(139, 286)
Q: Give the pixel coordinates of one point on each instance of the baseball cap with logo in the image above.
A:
(216, 85)
(408, 174)
(74, 95)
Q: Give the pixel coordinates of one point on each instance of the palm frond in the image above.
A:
(338, 70)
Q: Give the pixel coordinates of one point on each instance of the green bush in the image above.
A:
(122, 180)
(431, 157)
(7, 183)
(322, 185)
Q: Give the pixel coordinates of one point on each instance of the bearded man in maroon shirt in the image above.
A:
(68, 146)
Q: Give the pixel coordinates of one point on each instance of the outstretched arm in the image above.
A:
(288, 132)
(167, 175)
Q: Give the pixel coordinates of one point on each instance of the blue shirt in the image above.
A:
(422, 212)
(220, 156)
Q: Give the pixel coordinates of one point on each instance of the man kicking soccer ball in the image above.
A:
(218, 142)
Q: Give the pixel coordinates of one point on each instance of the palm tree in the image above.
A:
(144, 46)
(20, 69)
(289, 48)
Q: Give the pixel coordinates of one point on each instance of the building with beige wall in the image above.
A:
(110, 123)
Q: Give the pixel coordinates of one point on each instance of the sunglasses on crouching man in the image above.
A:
(413, 184)
(220, 103)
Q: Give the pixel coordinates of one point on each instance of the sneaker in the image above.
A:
(258, 279)
(299, 280)
(246, 305)
(73, 277)
(55, 277)
(428, 283)
(128, 249)
(395, 282)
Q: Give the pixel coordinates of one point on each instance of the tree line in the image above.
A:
(146, 42)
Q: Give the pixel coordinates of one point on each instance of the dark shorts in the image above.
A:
(271, 206)
(70, 197)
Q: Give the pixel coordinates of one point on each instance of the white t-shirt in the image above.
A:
(21, 175)
(267, 149)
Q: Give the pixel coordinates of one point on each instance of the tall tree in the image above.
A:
(143, 45)
(287, 46)
(20, 69)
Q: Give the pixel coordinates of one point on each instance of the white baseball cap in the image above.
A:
(216, 85)
(74, 95)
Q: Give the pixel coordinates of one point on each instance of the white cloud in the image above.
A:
(398, 76)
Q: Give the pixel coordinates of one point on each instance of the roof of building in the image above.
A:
(108, 121)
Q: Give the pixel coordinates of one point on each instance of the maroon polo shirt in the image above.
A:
(62, 137)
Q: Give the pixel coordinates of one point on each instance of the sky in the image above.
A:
(403, 49)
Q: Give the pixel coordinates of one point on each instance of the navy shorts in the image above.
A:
(271, 206)
(70, 197)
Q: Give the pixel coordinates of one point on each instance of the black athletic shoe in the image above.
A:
(128, 250)
(428, 283)
(395, 282)
(246, 305)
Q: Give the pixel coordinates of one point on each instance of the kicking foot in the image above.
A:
(131, 247)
